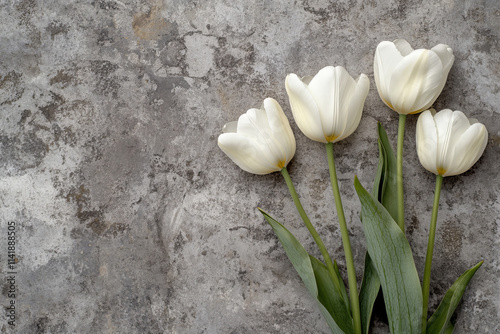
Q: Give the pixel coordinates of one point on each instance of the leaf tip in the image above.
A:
(358, 186)
(265, 214)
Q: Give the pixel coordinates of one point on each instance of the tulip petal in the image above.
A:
(450, 127)
(355, 108)
(304, 108)
(426, 139)
(332, 88)
(251, 122)
(246, 153)
(445, 53)
(387, 56)
(344, 90)
(322, 88)
(415, 80)
(280, 129)
(403, 47)
(469, 148)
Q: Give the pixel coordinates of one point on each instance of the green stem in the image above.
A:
(401, 203)
(351, 272)
(430, 250)
(310, 227)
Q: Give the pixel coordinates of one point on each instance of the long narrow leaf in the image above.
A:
(370, 287)
(378, 183)
(449, 329)
(342, 287)
(330, 297)
(392, 257)
(440, 320)
(384, 190)
(332, 306)
(388, 190)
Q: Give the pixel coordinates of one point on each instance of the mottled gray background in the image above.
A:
(131, 220)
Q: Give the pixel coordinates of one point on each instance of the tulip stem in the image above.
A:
(310, 228)
(430, 250)
(351, 272)
(401, 202)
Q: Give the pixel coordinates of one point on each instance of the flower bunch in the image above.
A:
(327, 108)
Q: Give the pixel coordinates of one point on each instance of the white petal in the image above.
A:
(403, 47)
(387, 57)
(343, 93)
(450, 127)
(304, 108)
(332, 88)
(245, 153)
(468, 149)
(445, 53)
(443, 122)
(281, 131)
(415, 80)
(355, 108)
(252, 122)
(322, 89)
(426, 139)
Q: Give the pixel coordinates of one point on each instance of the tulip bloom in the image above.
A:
(409, 81)
(448, 143)
(261, 141)
(327, 107)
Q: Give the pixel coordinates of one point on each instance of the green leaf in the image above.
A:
(449, 329)
(329, 296)
(368, 293)
(388, 190)
(392, 258)
(440, 322)
(342, 287)
(317, 280)
(385, 191)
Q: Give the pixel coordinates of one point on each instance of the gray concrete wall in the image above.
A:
(129, 217)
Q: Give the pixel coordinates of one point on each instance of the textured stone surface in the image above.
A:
(129, 217)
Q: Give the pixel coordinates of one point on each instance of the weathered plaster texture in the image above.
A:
(130, 218)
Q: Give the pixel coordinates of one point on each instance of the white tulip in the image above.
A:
(409, 81)
(327, 107)
(261, 141)
(448, 143)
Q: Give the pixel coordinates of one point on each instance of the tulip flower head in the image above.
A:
(408, 80)
(448, 143)
(261, 141)
(327, 107)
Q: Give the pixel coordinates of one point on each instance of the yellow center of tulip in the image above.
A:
(281, 164)
(441, 171)
(331, 138)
